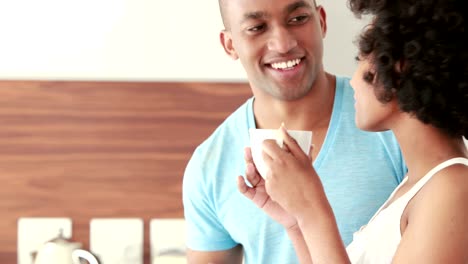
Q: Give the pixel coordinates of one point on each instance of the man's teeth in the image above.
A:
(285, 64)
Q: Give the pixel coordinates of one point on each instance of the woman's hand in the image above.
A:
(291, 180)
(258, 195)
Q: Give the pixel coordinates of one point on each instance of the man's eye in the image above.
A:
(299, 19)
(257, 28)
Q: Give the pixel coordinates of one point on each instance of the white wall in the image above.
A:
(343, 30)
(136, 40)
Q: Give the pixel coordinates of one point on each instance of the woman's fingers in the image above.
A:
(293, 146)
(311, 148)
(290, 142)
(271, 150)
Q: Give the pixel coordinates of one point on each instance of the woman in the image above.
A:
(412, 79)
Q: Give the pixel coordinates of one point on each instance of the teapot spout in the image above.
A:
(78, 254)
(33, 256)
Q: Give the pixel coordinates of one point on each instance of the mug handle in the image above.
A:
(84, 254)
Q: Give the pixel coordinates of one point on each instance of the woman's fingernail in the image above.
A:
(283, 127)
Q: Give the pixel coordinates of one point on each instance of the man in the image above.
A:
(280, 45)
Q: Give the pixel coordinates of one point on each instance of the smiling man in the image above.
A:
(280, 45)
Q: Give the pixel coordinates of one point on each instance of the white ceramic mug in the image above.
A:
(257, 136)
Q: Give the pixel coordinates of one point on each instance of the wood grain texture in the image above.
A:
(101, 149)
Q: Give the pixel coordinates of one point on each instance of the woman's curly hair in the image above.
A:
(427, 38)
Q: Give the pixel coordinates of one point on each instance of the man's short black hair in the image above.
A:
(223, 8)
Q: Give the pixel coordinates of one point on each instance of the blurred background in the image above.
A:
(96, 98)
(137, 40)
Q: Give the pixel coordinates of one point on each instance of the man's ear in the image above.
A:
(226, 41)
(323, 20)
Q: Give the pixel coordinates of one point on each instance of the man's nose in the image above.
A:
(281, 40)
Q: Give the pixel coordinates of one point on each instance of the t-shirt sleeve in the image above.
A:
(394, 154)
(205, 232)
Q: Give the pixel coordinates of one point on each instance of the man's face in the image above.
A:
(279, 43)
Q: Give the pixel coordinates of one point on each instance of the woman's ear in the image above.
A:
(226, 41)
(399, 66)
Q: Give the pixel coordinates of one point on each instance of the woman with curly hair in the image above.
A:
(412, 79)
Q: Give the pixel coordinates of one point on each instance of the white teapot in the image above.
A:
(62, 251)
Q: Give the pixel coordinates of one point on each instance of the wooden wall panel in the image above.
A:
(101, 149)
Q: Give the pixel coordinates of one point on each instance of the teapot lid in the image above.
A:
(60, 239)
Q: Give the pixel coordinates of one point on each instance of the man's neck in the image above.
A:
(312, 112)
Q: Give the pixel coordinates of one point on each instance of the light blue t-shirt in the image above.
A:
(358, 170)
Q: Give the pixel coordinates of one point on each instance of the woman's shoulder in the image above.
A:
(446, 191)
(436, 219)
(451, 181)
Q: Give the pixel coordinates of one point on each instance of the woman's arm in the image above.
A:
(437, 226)
(318, 225)
(294, 184)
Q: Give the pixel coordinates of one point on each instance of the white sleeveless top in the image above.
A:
(378, 241)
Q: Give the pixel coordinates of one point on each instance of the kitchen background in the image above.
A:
(101, 104)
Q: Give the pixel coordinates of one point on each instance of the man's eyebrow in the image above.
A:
(296, 5)
(253, 16)
(289, 9)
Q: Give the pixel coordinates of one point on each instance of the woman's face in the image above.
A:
(371, 114)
